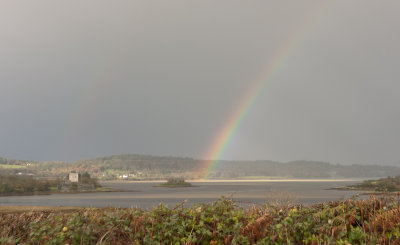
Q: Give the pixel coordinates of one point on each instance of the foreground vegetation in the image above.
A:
(372, 221)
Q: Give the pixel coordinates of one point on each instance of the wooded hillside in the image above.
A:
(138, 167)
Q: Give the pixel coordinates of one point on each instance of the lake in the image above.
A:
(145, 195)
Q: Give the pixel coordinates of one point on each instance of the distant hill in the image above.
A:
(140, 167)
(301, 170)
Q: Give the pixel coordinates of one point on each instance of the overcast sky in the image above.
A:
(91, 78)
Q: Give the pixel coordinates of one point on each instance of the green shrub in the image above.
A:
(372, 221)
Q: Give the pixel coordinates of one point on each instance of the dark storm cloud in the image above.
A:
(82, 79)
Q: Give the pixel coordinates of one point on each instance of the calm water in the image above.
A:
(145, 195)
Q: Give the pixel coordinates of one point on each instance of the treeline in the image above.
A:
(147, 167)
(139, 167)
(19, 184)
(300, 169)
(22, 184)
(134, 166)
(85, 179)
(13, 161)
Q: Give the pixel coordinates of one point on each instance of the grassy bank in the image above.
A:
(12, 166)
(389, 184)
(14, 185)
(373, 221)
(24, 209)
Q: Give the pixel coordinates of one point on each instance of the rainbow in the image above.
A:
(241, 110)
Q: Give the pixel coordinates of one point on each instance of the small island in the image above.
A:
(174, 183)
(384, 185)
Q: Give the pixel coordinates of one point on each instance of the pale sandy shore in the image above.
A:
(238, 180)
(272, 180)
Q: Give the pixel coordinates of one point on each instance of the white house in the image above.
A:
(74, 177)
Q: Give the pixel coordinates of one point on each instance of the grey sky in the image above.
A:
(90, 78)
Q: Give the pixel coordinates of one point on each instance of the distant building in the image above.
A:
(74, 177)
(124, 176)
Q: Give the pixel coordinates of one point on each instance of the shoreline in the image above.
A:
(235, 180)
(23, 209)
(43, 193)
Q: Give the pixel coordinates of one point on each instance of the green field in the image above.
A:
(11, 166)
